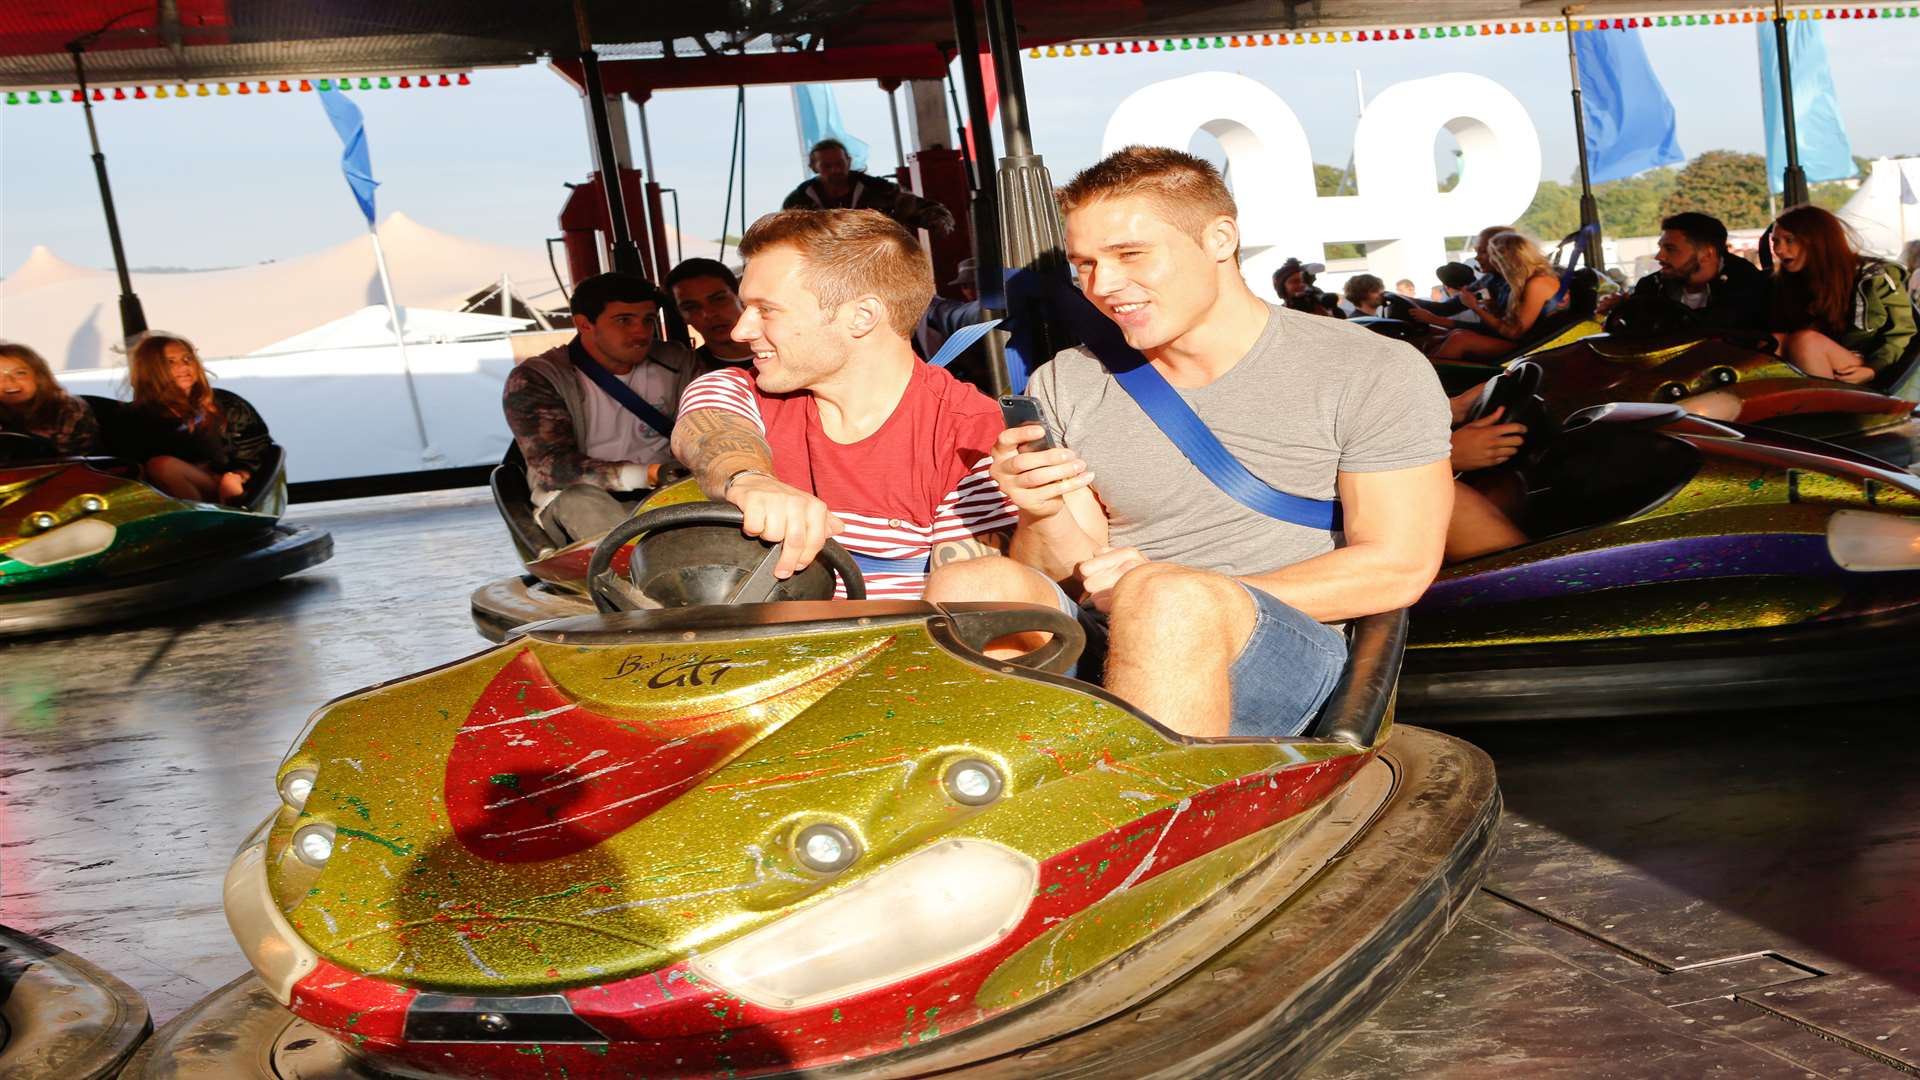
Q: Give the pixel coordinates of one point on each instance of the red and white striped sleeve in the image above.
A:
(975, 506)
(730, 390)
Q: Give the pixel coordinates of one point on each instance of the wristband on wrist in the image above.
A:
(728, 486)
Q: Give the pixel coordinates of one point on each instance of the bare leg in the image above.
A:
(1477, 526)
(1818, 355)
(1464, 344)
(1714, 405)
(182, 480)
(994, 579)
(1175, 633)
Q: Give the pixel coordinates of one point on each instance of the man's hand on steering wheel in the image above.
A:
(783, 514)
(1485, 442)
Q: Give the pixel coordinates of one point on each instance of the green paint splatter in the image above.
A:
(836, 1016)
(354, 803)
(395, 846)
(504, 779)
(562, 894)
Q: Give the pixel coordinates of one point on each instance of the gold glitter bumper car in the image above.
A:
(824, 838)
(84, 542)
(1675, 563)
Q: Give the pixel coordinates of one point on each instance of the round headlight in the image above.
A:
(1670, 392)
(313, 844)
(93, 504)
(973, 782)
(825, 849)
(296, 786)
(43, 520)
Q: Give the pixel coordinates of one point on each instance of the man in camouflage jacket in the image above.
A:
(583, 449)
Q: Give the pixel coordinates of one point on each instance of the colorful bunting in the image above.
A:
(1724, 17)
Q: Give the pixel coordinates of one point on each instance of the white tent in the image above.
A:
(370, 327)
(1880, 211)
(338, 399)
(71, 314)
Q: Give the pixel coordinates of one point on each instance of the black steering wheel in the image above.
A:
(1513, 390)
(1517, 390)
(21, 448)
(695, 553)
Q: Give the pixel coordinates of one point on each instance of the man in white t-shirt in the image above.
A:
(583, 445)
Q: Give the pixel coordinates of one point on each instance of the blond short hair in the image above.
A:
(1188, 192)
(847, 254)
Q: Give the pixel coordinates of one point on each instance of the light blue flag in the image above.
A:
(1825, 152)
(355, 161)
(1630, 122)
(820, 119)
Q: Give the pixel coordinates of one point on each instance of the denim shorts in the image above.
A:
(1283, 675)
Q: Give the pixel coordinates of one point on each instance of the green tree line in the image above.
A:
(1729, 185)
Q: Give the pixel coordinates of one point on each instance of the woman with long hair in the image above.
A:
(1839, 314)
(32, 402)
(1533, 287)
(210, 442)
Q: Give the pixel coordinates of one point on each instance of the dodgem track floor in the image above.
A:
(1729, 895)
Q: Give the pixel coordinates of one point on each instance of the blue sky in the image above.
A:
(230, 181)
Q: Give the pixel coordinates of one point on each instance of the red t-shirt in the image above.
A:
(920, 480)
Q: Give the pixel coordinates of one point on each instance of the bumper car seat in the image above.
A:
(513, 497)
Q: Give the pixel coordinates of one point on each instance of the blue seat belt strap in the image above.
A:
(1166, 408)
(873, 564)
(621, 392)
(960, 341)
(1176, 420)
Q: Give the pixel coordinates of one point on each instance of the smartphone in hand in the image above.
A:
(1019, 410)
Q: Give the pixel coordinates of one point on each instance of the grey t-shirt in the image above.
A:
(1314, 397)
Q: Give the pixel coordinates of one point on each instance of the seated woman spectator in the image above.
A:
(1533, 291)
(1839, 314)
(208, 443)
(1364, 294)
(32, 402)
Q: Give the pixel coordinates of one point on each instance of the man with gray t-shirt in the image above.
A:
(1221, 620)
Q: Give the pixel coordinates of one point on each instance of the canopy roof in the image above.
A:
(191, 40)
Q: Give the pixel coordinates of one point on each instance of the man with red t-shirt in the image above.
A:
(839, 430)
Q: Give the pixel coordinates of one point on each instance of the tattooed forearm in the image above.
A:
(973, 547)
(715, 444)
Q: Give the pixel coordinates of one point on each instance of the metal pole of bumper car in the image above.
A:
(1589, 209)
(989, 278)
(1795, 191)
(133, 318)
(626, 254)
(888, 86)
(1032, 236)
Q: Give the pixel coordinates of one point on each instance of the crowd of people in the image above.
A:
(1835, 311)
(805, 400)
